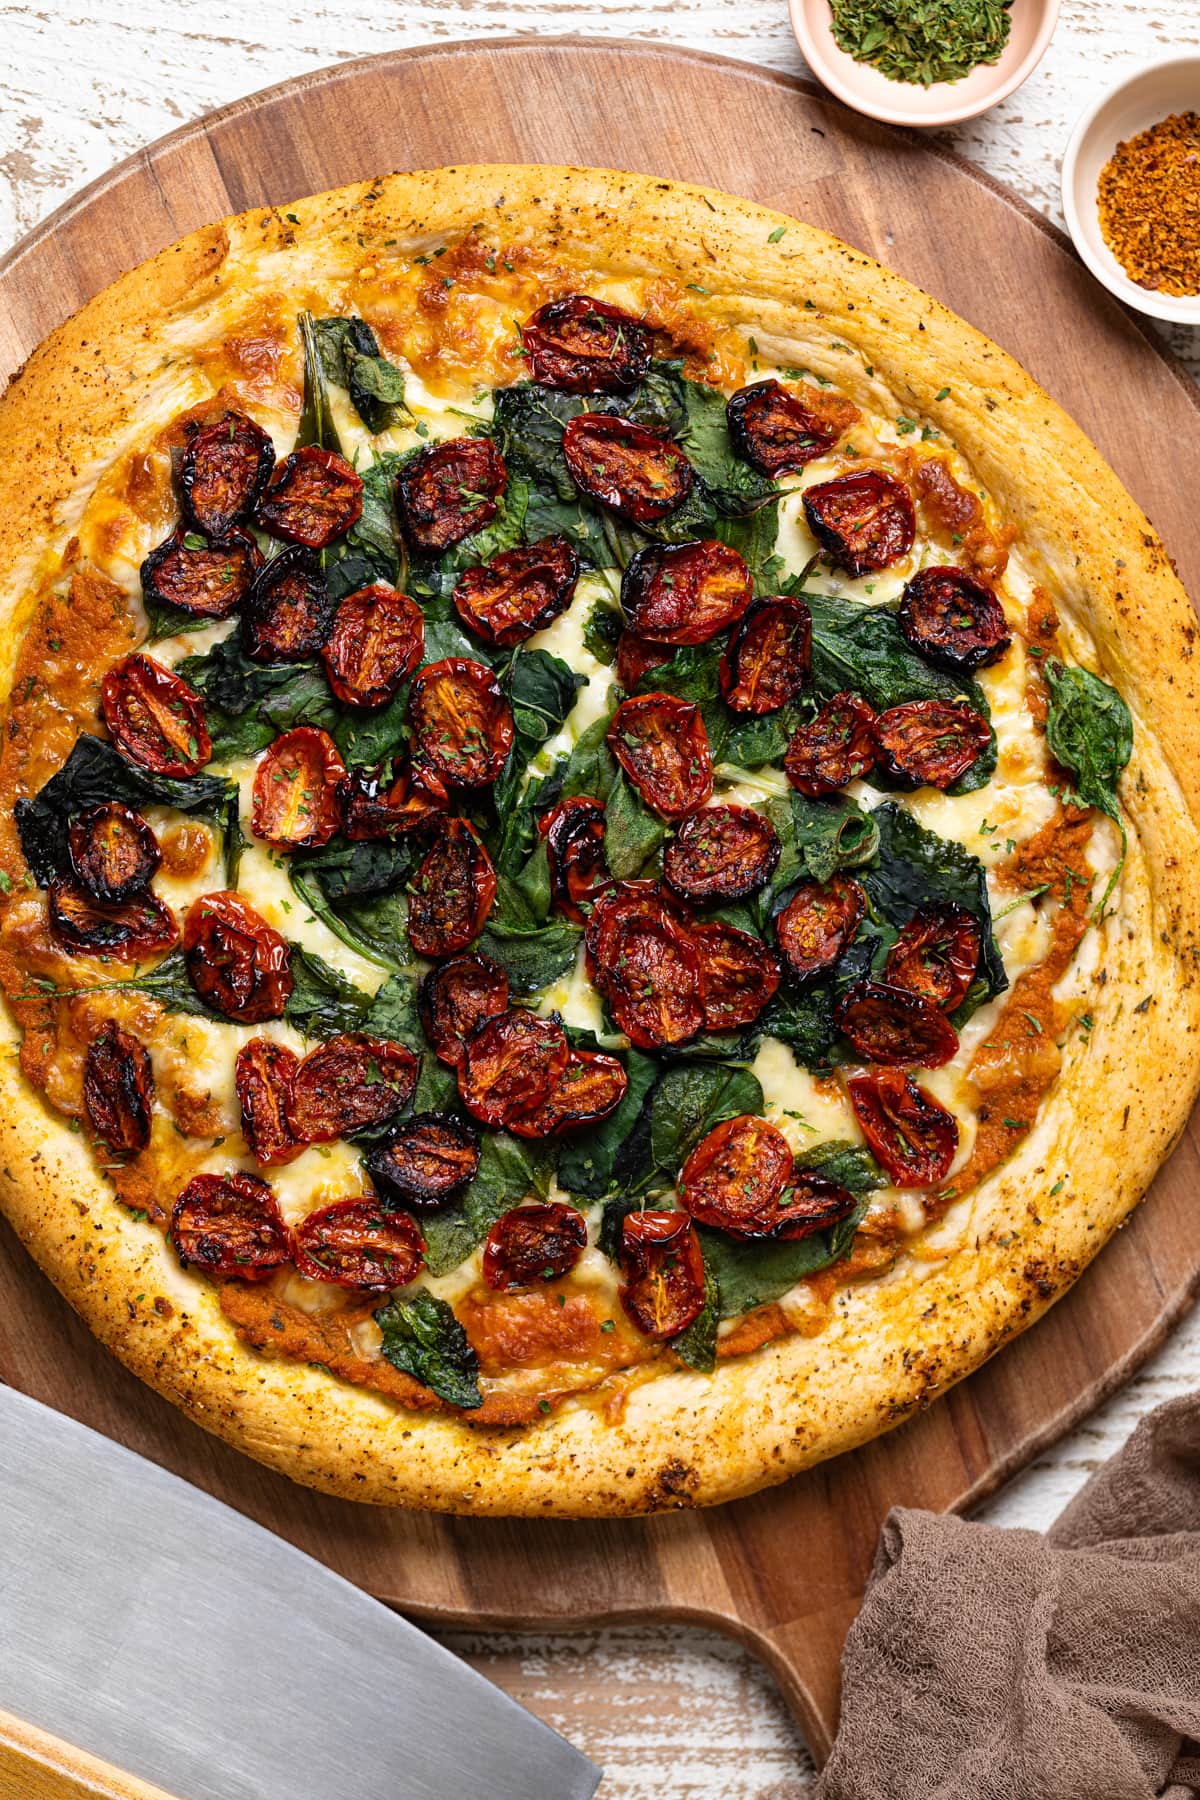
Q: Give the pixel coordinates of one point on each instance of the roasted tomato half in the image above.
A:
(767, 657)
(381, 803)
(636, 657)
(685, 593)
(225, 468)
(296, 790)
(351, 1082)
(936, 955)
(263, 1075)
(124, 929)
(585, 346)
(230, 1225)
(118, 1091)
(360, 1244)
(953, 619)
(738, 976)
(238, 963)
(314, 498)
(510, 1065)
(735, 1177)
(910, 1135)
(288, 614)
(773, 430)
(461, 722)
(519, 592)
(813, 1203)
(834, 749)
(819, 922)
(930, 742)
(452, 891)
(662, 1272)
(590, 1088)
(651, 979)
(155, 717)
(427, 1160)
(574, 834)
(662, 745)
(890, 1025)
(206, 577)
(114, 853)
(863, 522)
(378, 639)
(456, 997)
(450, 490)
(721, 853)
(623, 900)
(623, 466)
(533, 1243)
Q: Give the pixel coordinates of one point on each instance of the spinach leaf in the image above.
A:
(170, 984)
(374, 925)
(509, 1170)
(370, 549)
(602, 630)
(542, 691)
(851, 1164)
(591, 768)
(689, 1100)
(754, 741)
(348, 870)
(322, 1002)
(393, 1013)
(632, 833)
(316, 416)
(588, 1160)
(533, 951)
(351, 358)
(1089, 730)
(94, 773)
(422, 1338)
(698, 1344)
(528, 423)
(751, 1274)
(248, 704)
(826, 836)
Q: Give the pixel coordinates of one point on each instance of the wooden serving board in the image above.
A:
(783, 1571)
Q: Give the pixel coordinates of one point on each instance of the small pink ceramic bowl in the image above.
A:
(905, 103)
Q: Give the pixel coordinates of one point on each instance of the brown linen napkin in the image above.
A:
(993, 1664)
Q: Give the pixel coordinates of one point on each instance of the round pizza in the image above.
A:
(598, 834)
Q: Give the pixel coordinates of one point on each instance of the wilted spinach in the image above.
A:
(1089, 730)
(351, 359)
(422, 1338)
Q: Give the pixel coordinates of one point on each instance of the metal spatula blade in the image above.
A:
(151, 1625)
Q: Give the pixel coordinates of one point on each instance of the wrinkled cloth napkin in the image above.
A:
(994, 1664)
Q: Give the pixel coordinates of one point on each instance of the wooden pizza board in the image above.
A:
(783, 1571)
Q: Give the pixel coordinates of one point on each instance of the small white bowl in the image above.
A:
(1140, 101)
(906, 103)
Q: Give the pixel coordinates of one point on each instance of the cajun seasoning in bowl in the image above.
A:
(1148, 201)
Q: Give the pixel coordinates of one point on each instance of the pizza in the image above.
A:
(598, 834)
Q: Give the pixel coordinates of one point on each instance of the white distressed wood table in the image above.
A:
(670, 1712)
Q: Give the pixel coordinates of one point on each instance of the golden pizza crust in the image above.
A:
(1120, 1101)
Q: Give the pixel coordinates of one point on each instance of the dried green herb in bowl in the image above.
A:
(922, 41)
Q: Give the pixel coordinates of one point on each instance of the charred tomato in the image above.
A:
(118, 1091)
(953, 619)
(427, 1160)
(813, 1203)
(456, 997)
(230, 1225)
(685, 593)
(636, 656)
(936, 954)
(767, 657)
(773, 430)
(662, 745)
(721, 853)
(662, 1272)
(350, 1083)
(574, 834)
(738, 976)
(206, 577)
(461, 722)
(288, 612)
(735, 1177)
(155, 717)
(590, 1087)
(114, 853)
(378, 639)
(625, 467)
(450, 490)
(863, 522)
(315, 497)
(510, 1064)
(834, 749)
(585, 346)
(533, 1243)
(125, 929)
(263, 1076)
(360, 1244)
(452, 891)
(238, 964)
(297, 785)
(224, 469)
(818, 923)
(930, 742)
(911, 1137)
(651, 979)
(891, 1025)
(518, 592)
(381, 803)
